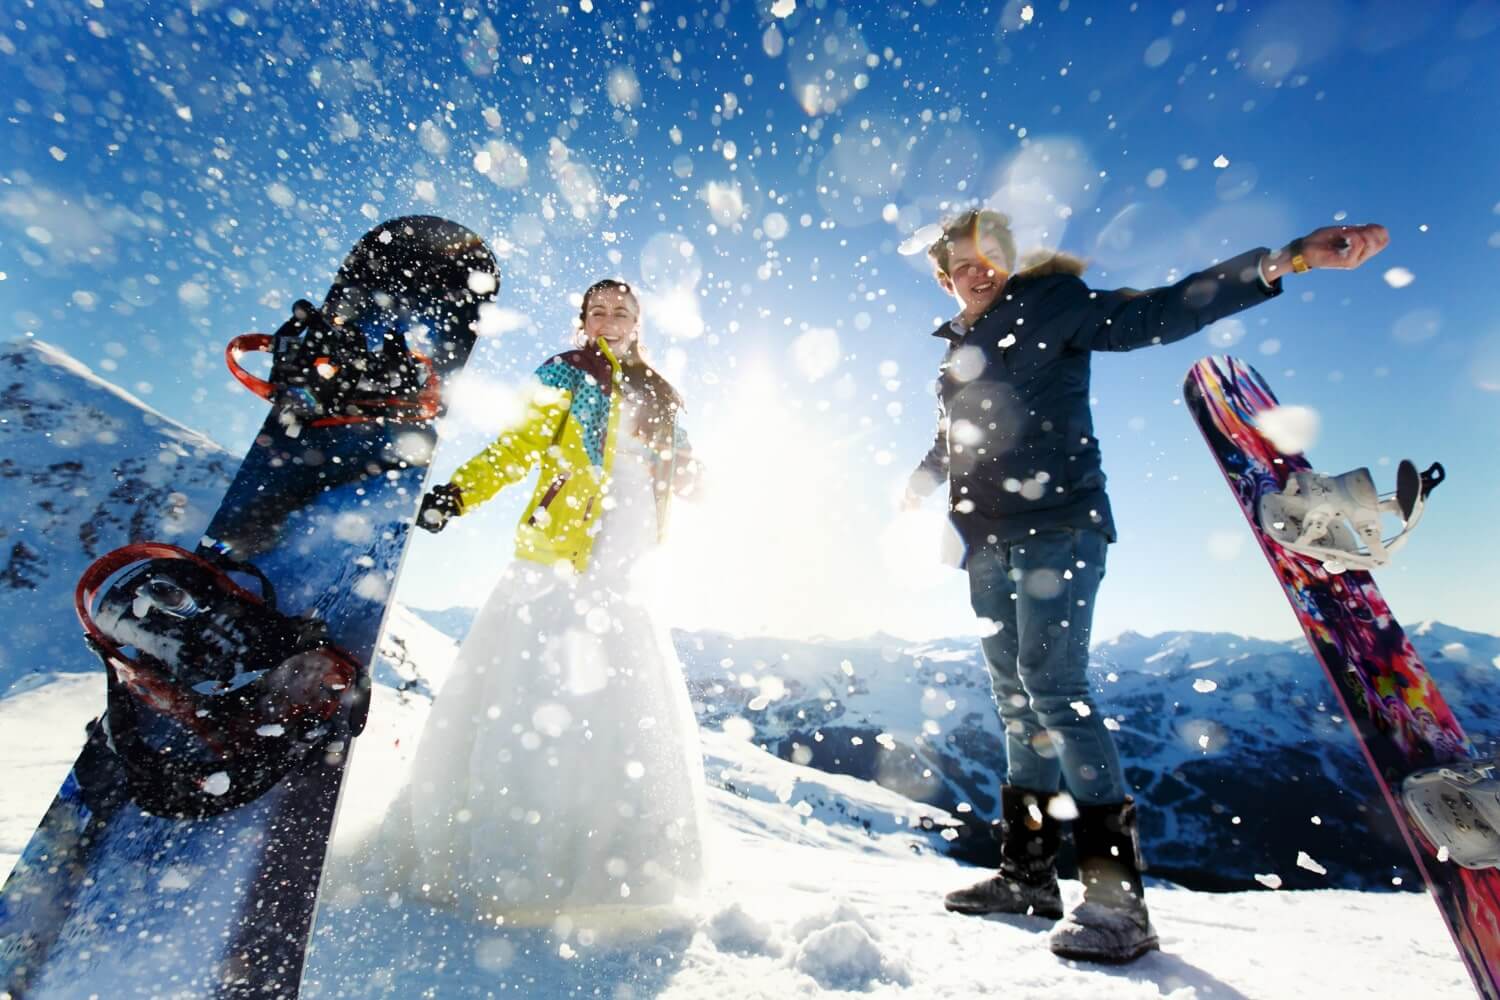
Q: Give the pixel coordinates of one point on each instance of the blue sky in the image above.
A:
(176, 175)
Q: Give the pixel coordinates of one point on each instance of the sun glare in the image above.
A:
(786, 538)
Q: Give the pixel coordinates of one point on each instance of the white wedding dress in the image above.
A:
(560, 769)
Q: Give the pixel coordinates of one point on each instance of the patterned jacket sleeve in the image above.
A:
(510, 456)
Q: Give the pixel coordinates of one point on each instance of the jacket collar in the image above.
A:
(602, 346)
(955, 330)
(1049, 263)
(952, 331)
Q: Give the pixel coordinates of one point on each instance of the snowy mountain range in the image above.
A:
(84, 468)
(1232, 743)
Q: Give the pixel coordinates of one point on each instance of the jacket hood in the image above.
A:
(1045, 263)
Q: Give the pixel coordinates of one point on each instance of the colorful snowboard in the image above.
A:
(1399, 717)
(183, 853)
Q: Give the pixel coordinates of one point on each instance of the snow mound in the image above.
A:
(732, 929)
(844, 956)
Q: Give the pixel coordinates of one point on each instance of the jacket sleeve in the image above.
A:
(511, 455)
(932, 471)
(1126, 319)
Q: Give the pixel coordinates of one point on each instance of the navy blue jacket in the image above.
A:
(1015, 435)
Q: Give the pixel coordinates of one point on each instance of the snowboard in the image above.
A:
(182, 854)
(1404, 728)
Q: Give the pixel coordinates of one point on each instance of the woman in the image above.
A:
(560, 768)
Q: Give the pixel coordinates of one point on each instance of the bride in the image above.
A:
(559, 769)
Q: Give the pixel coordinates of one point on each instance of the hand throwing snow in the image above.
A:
(1344, 247)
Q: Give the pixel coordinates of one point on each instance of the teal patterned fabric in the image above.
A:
(590, 406)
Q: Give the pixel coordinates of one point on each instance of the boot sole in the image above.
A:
(1147, 946)
(985, 911)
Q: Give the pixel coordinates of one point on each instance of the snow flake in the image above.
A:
(193, 295)
(372, 587)
(624, 87)
(738, 728)
(175, 879)
(1398, 277)
(1304, 860)
(1290, 429)
(353, 527)
(817, 353)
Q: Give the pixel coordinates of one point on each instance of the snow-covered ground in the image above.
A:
(821, 885)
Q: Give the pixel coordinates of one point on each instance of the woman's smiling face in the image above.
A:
(613, 314)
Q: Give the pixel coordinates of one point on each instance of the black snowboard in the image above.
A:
(183, 853)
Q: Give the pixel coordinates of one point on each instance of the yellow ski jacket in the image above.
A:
(570, 427)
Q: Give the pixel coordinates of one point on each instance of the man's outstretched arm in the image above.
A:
(1125, 319)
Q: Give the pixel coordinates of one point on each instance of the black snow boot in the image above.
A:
(1111, 924)
(1027, 879)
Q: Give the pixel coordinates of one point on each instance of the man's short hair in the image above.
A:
(974, 224)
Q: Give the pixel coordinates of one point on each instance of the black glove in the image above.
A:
(438, 505)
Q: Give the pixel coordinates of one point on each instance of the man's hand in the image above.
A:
(1343, 247)
(438, 505)
(910, 501)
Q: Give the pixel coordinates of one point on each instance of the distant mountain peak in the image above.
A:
(19, 353)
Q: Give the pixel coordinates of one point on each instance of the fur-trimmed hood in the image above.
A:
(1034, 265)
(1044, 263)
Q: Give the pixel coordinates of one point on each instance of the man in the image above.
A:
(1016, 444)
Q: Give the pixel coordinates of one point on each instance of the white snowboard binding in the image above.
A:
(1457, 808)
(1337, 518)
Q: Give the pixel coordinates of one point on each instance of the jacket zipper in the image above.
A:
(547, 498)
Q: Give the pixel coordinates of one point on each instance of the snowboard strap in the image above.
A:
(311, 373)
(247, 736)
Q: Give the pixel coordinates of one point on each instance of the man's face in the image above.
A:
(976, 273)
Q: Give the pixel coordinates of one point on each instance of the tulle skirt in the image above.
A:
(559, 768)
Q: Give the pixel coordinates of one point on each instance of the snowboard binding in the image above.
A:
(213, 695)
(1336, 519)
(323, 373)
(1457, 807)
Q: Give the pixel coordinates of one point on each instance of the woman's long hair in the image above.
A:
(656, 395)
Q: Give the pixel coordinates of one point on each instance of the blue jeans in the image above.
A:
(1039, 593)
